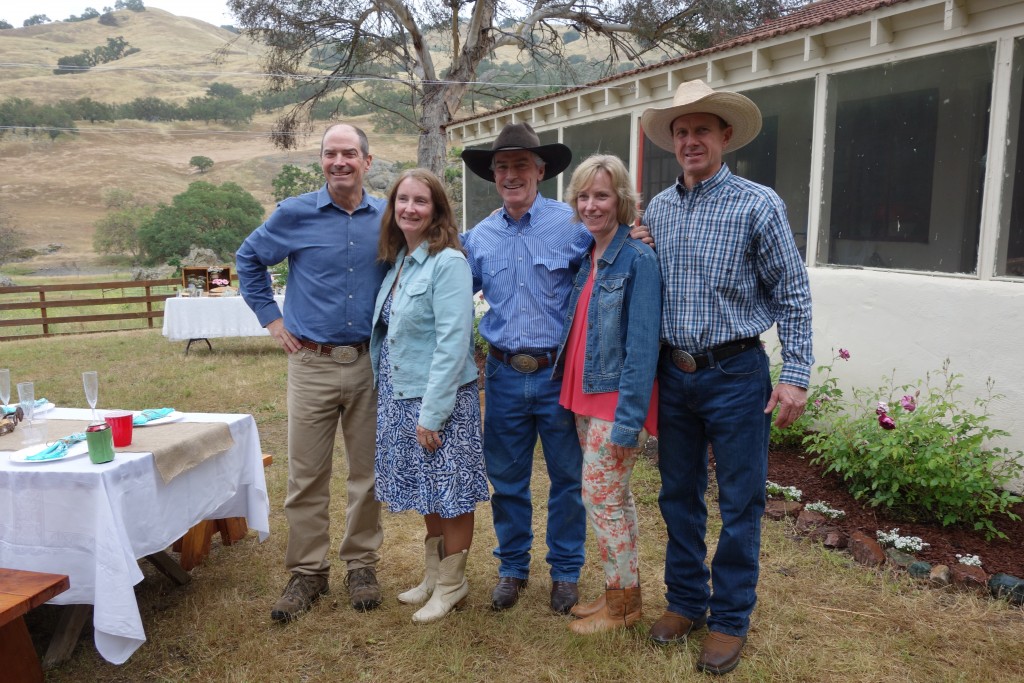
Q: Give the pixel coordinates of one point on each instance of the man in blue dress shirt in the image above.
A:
(524, 258)
(329, 238)
(730, 270)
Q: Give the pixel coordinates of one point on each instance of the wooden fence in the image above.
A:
(33, 311)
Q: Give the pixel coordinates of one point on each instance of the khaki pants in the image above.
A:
(321, 395)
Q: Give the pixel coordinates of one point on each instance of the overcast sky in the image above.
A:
(211, 11)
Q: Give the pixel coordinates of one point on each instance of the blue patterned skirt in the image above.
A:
(451, 480)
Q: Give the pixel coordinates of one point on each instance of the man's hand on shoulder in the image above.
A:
(790, 400)
(642, 233)
(285, 339)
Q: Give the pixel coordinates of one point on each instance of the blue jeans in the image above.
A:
(518, 408)
(722, 405)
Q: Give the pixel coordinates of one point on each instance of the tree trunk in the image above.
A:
(432, 149)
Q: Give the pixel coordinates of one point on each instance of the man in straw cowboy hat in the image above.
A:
(730, 270)
(524, 257)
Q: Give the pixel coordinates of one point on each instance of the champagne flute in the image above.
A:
(91, 382)
(27, 399)
(5, 388)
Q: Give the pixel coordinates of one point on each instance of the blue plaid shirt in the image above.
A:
(525, 268)
(730, 269)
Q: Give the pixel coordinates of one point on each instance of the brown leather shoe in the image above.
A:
(581, 611)
(564, 594)
(506, 593)
(672, 628)
(720, 653)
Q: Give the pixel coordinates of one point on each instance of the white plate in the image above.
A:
(73, 451)
(173, 417)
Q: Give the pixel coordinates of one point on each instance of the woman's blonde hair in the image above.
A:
(584, 175)
(441, 233)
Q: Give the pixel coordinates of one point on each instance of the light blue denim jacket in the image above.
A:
(624, 319)
(430, 336)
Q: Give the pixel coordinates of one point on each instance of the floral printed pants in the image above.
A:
(609, 503)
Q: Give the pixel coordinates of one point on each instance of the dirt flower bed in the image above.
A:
(792, 467)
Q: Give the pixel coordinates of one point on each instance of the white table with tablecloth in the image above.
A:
(208, 317)
(94, 522)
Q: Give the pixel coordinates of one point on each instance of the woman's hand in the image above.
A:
(622, 452)
(428, 439)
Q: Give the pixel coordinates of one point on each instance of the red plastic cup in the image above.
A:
(120, 422)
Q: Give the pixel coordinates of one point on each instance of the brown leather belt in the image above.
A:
(339, 352)
(688, 362)
(525, 362)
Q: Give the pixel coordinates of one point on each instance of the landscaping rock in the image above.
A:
(939, 575)
(1006, 586)
(809, 519)
(866, 549)
(835, 540)
(966, 576)
(920, 569)
(899, 558)
(6, 281)
(777, 510)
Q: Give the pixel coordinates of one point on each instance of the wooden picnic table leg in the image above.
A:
(171, 569)
(17, 654)
(65, 637)
(189, 344)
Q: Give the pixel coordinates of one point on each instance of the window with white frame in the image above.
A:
(905, 162)
(1010, 258)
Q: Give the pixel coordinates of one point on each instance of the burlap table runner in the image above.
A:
(176, 446)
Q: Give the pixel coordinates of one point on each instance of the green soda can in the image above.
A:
(101, 443)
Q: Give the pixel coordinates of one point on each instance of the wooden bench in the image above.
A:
(194, 546)
(21, 591)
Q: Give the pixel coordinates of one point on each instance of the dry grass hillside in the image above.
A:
(52, 190)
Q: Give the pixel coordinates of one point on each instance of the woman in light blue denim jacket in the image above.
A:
(429, 449)
(608, 356)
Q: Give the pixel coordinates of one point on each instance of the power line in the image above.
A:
(180, 132)
(296, 77)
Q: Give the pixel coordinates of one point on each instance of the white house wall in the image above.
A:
(907, 321)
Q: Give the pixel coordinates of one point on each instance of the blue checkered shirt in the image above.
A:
(526, 268)
(730, 269)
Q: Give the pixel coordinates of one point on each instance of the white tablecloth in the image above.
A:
(93, 522)
(208, 317)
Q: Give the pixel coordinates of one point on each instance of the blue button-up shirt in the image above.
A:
(731, 269)
(333, 272)
(525, 268)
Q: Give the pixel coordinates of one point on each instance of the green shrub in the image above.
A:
(921, 454)
(822, 401)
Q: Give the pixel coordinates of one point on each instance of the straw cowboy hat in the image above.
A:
(517, 136)
(695, 97)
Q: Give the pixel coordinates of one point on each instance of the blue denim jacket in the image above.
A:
(430, 336)
(624, 318)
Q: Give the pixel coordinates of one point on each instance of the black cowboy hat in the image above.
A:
(518, 136)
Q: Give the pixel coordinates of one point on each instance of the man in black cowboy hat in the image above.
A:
(524, 258)
(730, 270)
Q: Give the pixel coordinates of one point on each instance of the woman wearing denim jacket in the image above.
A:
(429, 450)
(608, 357)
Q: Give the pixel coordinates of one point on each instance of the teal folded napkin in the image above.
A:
(58, 448)
(151, 414)
(9, 410)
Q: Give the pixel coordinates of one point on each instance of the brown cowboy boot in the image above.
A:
(623, 608)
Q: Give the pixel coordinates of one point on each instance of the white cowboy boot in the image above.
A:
(421, 593)
(451, 589)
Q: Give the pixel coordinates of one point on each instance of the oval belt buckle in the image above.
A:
(344, 354)
(524, 363)
(683, 360)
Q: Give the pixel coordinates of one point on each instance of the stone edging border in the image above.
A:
(867, 551)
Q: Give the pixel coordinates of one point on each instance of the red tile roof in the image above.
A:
(813, 14)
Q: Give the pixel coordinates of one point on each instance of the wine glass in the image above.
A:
(91, 382)
(27, 399)
(5, 388)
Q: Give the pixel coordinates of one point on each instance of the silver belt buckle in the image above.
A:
(683, 360)
(524, 363)
(344, 354)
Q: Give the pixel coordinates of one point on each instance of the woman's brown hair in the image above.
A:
(441, 233)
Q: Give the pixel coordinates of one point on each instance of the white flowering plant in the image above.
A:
(823, 508)
(892, 539)
(784, 492)
(969, 560)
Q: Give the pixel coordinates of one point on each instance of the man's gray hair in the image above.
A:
(536, 158)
